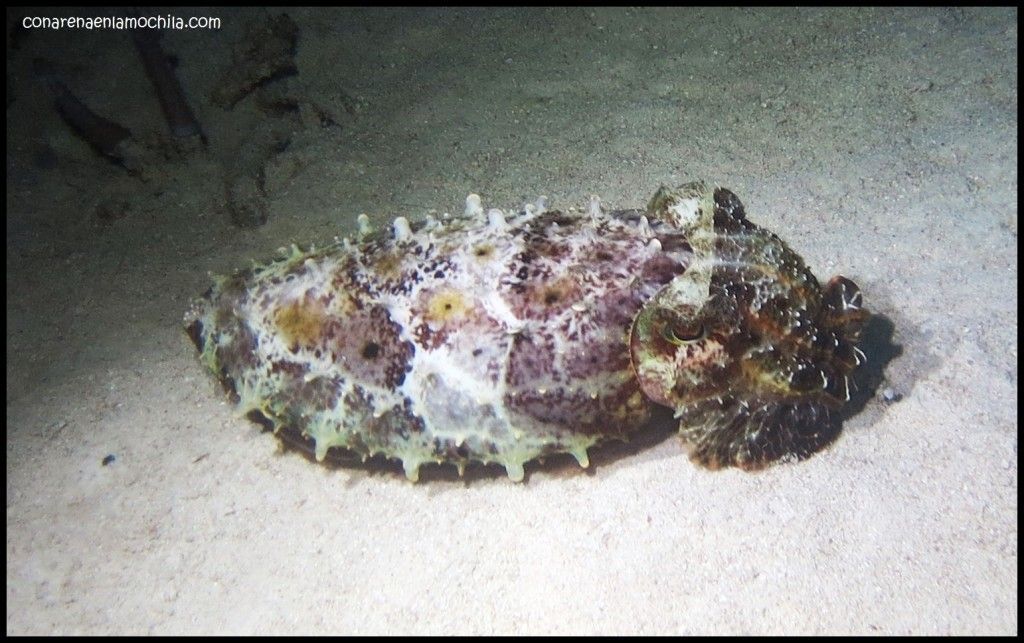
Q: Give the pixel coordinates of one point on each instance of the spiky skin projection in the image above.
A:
(504, 337)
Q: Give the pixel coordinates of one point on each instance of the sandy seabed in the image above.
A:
(880, 143)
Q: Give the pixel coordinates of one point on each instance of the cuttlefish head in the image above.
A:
(751, 353)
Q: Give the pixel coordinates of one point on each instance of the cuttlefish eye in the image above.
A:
(680, 332)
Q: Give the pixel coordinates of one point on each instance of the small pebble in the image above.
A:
(889, 395)
(108, 459)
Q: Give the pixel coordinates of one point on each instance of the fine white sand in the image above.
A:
(881, 144)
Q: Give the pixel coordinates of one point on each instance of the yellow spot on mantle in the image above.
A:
(445, 306)
(483, 252)
(300, 321)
